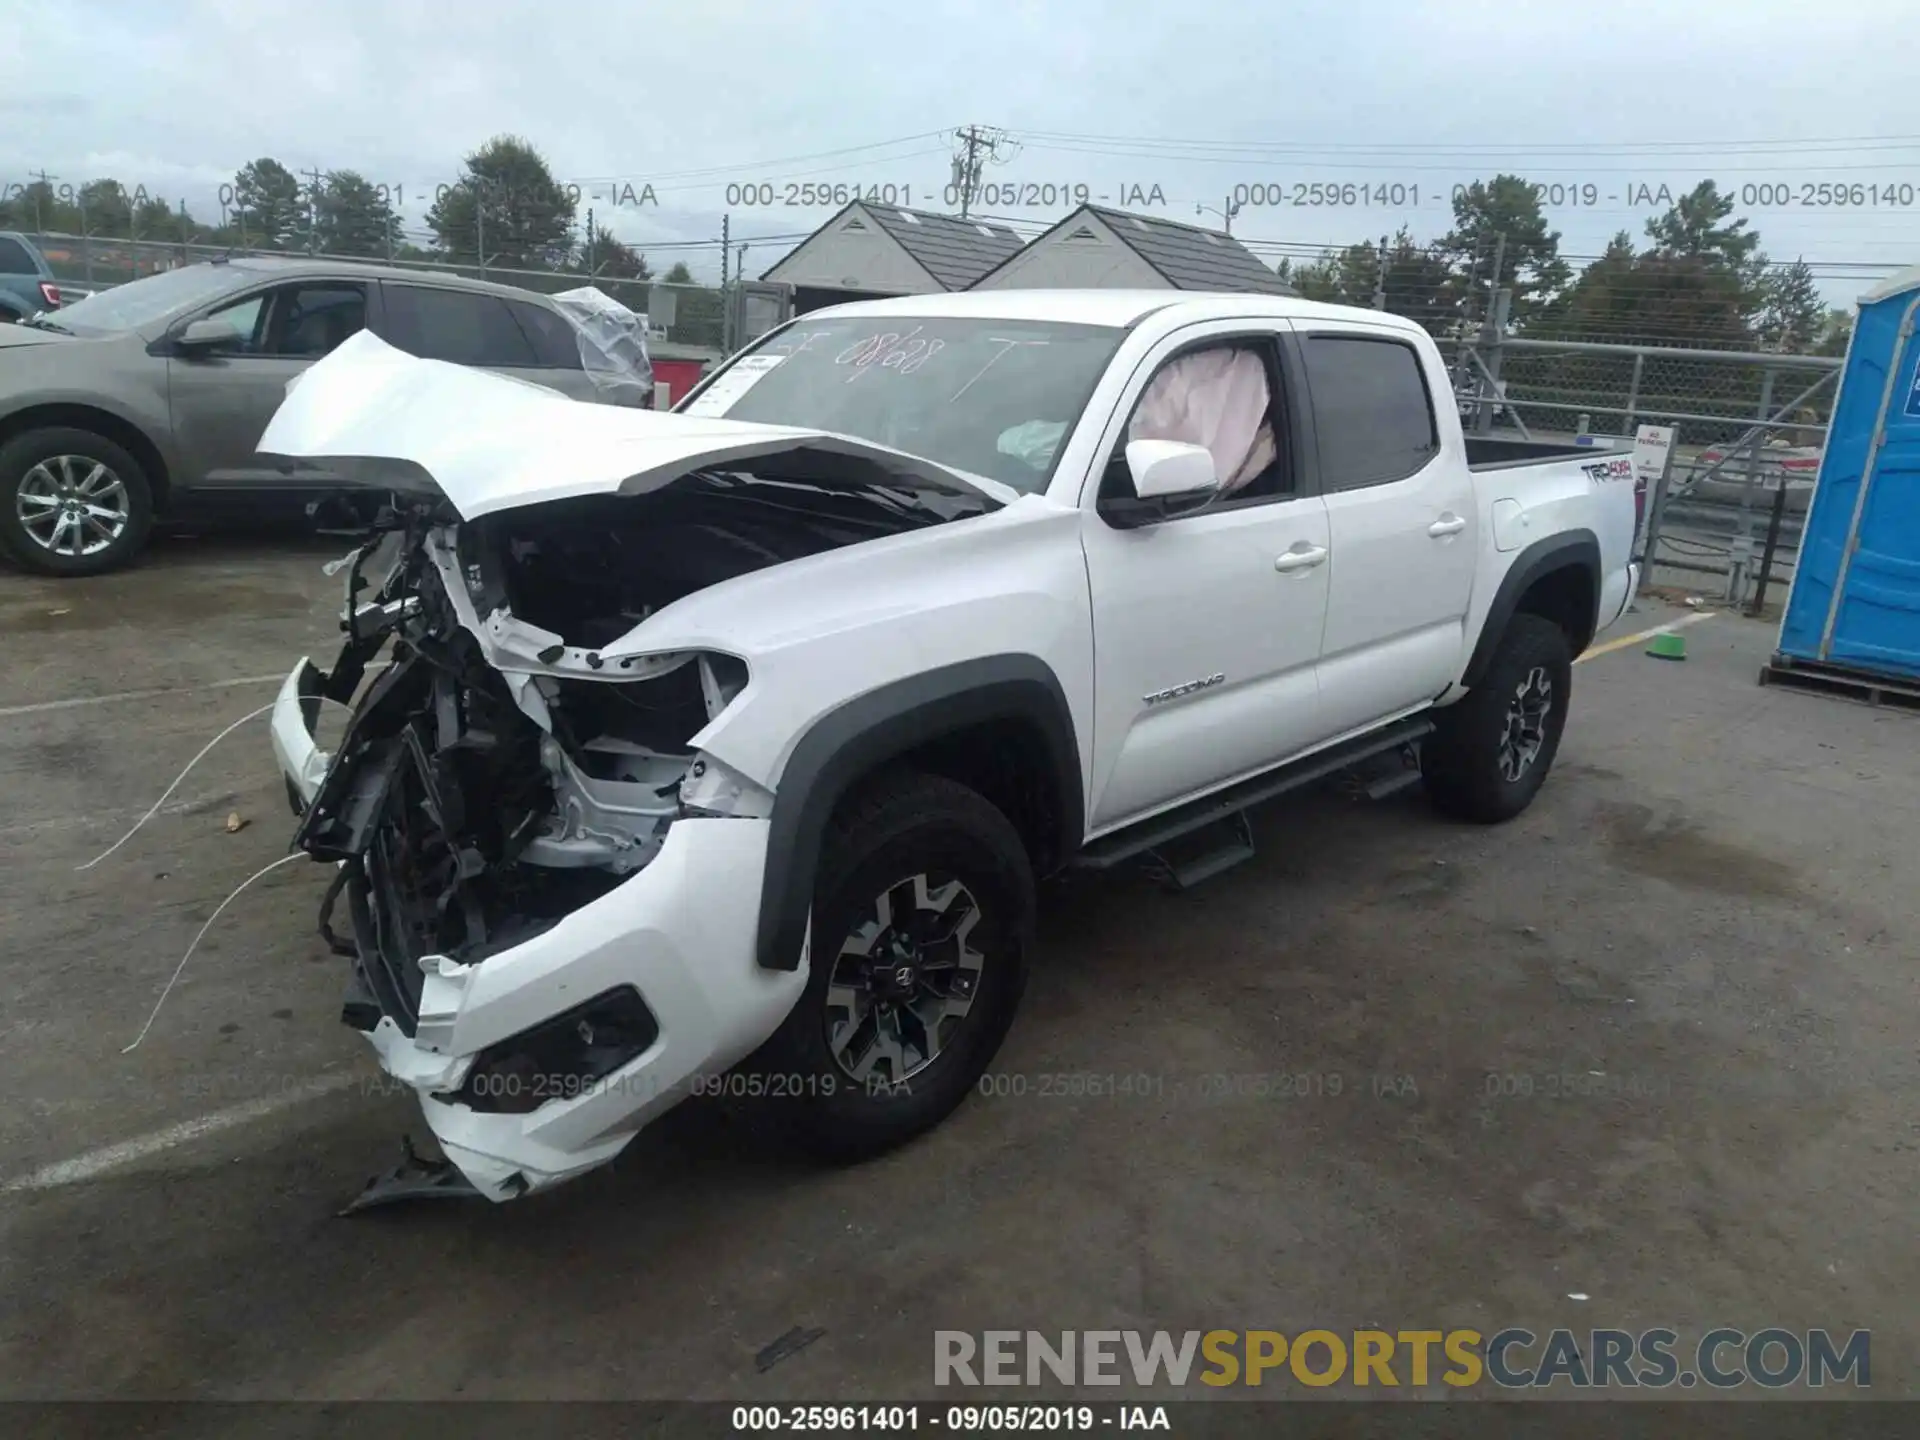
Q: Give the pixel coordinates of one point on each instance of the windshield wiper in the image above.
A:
(40, 322)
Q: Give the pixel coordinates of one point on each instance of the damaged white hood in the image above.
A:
(383, 418)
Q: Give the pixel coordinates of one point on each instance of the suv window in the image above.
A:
(455, 325)
(296, 322)
(243, 318)
(14, 259)
(555, 343)
(308, 321)
(1372, 415)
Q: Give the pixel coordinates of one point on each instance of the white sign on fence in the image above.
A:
(1652, 449)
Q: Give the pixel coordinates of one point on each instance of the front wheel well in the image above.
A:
(1009, 763)
(104, 423)
(1566, 597)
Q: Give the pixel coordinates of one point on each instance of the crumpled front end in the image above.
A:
(548, 896)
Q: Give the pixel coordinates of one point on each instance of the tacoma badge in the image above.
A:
(1160, 697)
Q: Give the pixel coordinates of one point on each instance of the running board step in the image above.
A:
(1149, 835)
(1234, 845)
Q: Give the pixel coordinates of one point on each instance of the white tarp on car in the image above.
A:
(383, 418)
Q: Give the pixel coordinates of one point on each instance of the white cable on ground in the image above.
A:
(181, 967)
(251, 715)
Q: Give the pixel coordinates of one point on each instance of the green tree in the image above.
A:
(1836, 332)
(1695, 228)
(1793, 318)
(34, 206)
(107, 207)
(1315, 279)
(509, 201)
(269, 206)
(612, 260)
(352, 216)
(678, 274)
(1501, 218)
(155, 219)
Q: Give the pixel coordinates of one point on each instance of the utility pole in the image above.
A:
(1226, 212)
(589, 240)
(480, 224)
(977, 145)
(46, 186)
(726, 295)
(313, 210)
(1380, 276)
(86, 240)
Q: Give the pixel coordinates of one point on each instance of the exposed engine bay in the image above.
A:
(473, 806)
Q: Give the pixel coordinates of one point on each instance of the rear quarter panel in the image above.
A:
(1523, 504)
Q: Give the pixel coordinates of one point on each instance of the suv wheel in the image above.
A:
(922, 919)
(71, 502)
(1492, 750)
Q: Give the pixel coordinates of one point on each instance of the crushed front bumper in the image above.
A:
(681, 932)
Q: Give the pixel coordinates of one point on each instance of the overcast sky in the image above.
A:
(1195, 98)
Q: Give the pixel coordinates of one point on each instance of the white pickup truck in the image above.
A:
(723, 749)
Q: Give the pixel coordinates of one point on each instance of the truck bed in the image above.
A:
(1493, 452)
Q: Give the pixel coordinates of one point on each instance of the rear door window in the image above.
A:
(1372, 415)
(555, 344)
(14, 259)
(457, 326)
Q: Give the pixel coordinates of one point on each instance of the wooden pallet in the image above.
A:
(1862, 685)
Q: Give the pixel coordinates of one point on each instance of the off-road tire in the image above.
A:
(20, 455)
(1461, 762)
(901, 825)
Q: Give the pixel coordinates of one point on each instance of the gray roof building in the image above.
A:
(1098, 248)
(868, 250)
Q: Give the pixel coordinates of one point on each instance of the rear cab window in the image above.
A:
(458, 326)
(1372, 411)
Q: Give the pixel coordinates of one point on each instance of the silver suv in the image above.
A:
(146, 401)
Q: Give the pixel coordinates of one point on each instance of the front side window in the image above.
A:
(1222, 398)
(996, 398)
(1372, 416)
(243, 318)
(308, 321)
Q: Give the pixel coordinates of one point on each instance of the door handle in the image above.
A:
(1448, 524)
(1302, 558)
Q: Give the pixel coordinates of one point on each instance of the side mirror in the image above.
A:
(1169, 478)
(1164, 469)
(206, 335)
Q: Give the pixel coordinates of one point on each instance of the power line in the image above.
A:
(760, 164)
(1751, 146)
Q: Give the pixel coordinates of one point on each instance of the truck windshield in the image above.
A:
(129, 306)
(991, 397)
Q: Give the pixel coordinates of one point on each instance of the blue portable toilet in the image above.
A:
(1852, 621)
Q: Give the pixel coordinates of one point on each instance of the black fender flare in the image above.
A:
(1570, 548)
(863, 734)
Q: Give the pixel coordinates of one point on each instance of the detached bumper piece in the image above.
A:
(414, 1178)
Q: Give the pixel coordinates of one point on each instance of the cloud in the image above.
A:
(694, 98)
